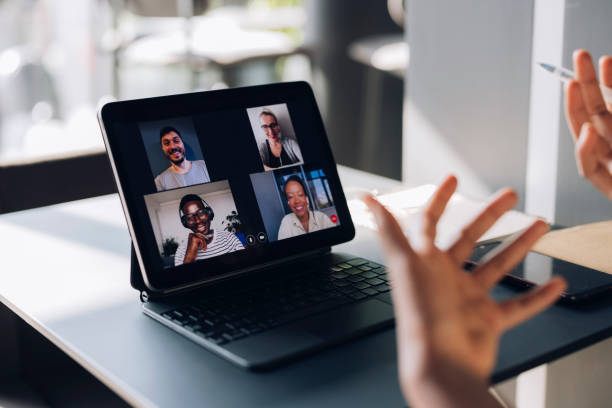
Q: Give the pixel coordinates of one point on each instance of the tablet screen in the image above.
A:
(218, 182)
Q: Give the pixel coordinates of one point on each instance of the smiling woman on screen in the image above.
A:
(302, 220)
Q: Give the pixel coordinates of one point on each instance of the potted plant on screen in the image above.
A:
(169, 247)
(232, 224)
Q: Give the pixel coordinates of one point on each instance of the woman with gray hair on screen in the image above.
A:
(276, 151)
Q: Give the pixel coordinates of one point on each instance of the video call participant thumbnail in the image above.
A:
(182, 172)
(276, 151)
(302, 219)
(203, 242)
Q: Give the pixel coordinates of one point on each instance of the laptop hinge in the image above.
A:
(146, 296)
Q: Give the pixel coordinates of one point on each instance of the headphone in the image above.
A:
(192, 197)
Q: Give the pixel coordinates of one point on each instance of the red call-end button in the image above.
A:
(334, 219)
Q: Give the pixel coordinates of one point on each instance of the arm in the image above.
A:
(435, 300)
(294, 148)
(263, 153)
(284, 229)
(195, 242)
(589, 118)
(158, 183)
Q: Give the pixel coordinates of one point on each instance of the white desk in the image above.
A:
(68, 277)
(66, 273)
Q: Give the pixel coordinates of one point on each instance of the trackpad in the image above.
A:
(350, 320)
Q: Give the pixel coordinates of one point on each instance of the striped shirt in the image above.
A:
(223, 242)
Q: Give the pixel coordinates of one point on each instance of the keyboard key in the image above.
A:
(382, 288)
(239, 335)
(357, 261)
(370, 291)
(217, 340)
(360, 285)
(206, 333)
(375, 281)
(380, 271)
(270, 304)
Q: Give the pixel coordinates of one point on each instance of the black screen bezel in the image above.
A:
(158, 279)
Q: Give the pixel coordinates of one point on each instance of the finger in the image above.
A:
(508, 255)
(591, 93)
(575, 111)
(605, 77)
(592, 160)
(520, 308)
(393, 240)
(501, 202)
(428, 220)
(586, 75)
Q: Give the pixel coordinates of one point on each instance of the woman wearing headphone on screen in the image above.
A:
(203, 242)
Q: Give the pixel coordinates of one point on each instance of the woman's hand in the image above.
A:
(448, 326)
(590, 119)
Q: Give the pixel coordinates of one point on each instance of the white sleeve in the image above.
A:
(179, 255)
(158, 183)
(296, 149)
(236, 244)
(283, 230)
(204, 170)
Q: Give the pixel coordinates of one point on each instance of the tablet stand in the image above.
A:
(136, 276)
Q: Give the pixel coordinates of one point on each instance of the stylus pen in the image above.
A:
(563, 74)
(566, 75)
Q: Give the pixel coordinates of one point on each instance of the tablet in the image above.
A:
(214, 184)
(536, 269)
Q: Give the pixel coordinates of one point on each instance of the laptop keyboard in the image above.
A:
(238, 315)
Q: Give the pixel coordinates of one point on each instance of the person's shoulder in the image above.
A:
(289, 140)
(263, 146)
(201, 166)
(285, 223)
(180, 253)
(162, 179)
(288, 219)
(164, 173)
(224, 235)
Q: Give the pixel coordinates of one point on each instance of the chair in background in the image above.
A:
(223, 40)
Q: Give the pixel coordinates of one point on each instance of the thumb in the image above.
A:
(394, 242)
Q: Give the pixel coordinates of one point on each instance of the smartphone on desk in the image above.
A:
(582, 283)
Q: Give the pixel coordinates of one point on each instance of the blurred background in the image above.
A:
(61, 59)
